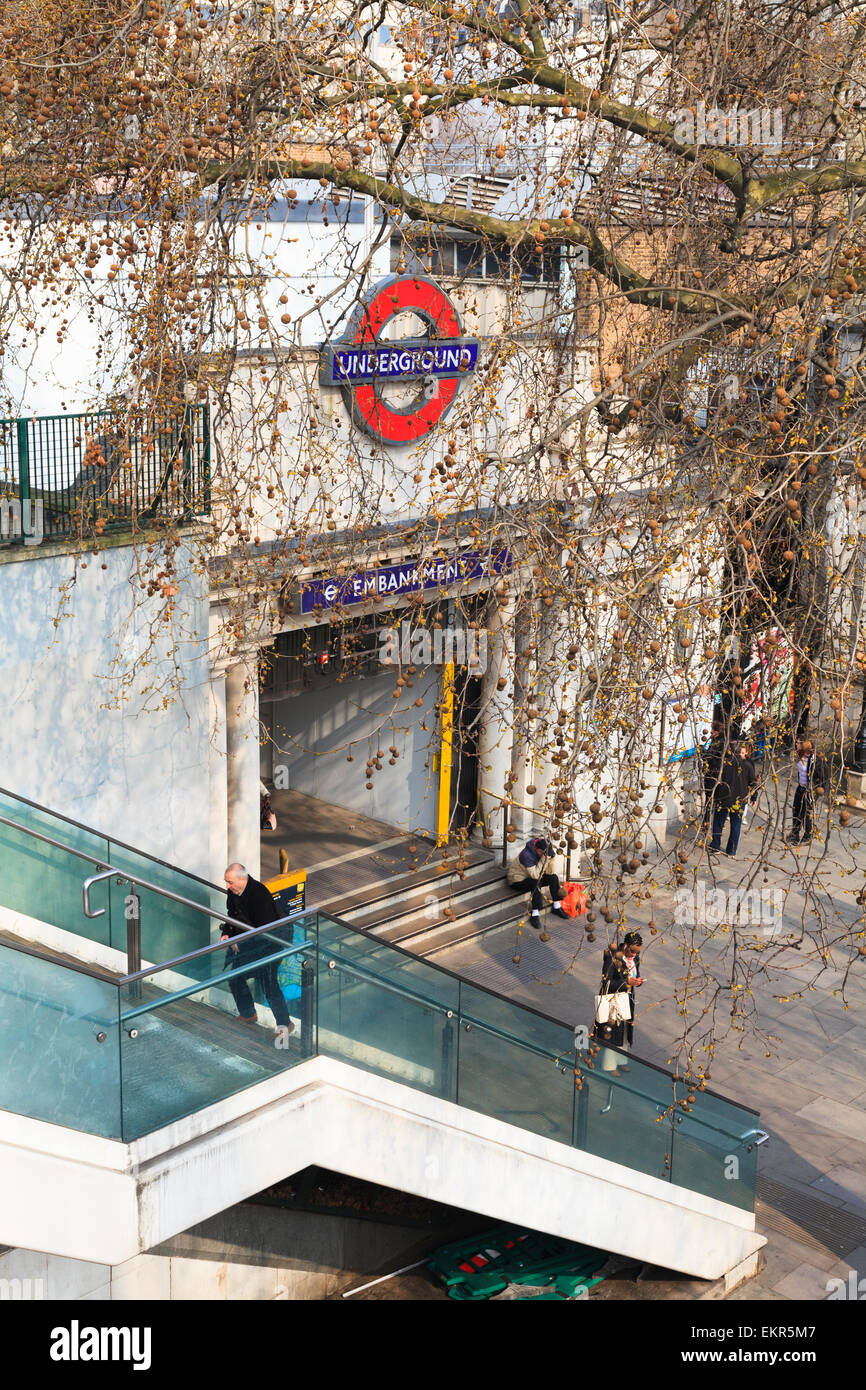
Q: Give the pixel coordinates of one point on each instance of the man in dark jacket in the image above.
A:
(250, 903)
(737, 786)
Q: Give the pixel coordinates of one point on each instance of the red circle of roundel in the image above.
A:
(429, 302)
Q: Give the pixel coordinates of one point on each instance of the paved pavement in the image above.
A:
(799, 1057)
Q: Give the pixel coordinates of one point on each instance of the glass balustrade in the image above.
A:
(44, 881)
(124, 1058)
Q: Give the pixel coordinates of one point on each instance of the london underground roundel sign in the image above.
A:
(364, 362)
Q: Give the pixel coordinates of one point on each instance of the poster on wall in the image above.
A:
(768, 683)
(682, 738)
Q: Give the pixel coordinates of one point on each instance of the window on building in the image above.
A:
(471, 260)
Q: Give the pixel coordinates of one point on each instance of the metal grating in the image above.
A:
(808, 1220)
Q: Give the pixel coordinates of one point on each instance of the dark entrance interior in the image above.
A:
(464, 768)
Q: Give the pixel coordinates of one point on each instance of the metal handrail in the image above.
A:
(387, 985)
(111, 872)
(505, 804)
(491, 1028)
(217, 945)
(198, 985)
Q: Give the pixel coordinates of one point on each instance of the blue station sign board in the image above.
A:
(402, 361)
(407, 577)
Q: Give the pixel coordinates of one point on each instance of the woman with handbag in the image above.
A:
(614, 1005)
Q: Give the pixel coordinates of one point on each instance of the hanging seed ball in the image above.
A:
(516, 960)
(531, 790)
(369, 786)
(591, 937)
(544, 936)
(844, 817)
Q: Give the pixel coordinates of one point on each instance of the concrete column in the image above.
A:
(217, 778)
(555, 692)
(242, 758)
(521, 753)
(657, 794)
(497, 712)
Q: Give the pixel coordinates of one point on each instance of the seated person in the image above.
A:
(534, 868)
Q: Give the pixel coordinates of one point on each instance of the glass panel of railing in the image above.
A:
(515, 1065)
(513, 1082)
(60, 1044)
(717, 1163)
(623, 1112)
(196, 1033)
(518, 1022)
(44, 882)
(168, 929)
(386, 1012)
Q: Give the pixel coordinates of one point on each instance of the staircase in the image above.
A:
(438, 906)
(135, 1104)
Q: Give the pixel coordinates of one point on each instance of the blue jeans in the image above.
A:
(246, 954)
(720, 815)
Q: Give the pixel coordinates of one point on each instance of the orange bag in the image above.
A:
(574, 902)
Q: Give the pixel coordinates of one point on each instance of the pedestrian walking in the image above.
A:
(620, 975)
(250, 904)
(737, 780)
(537, 867)
(811, 779)
(754, 783)
(711, 762)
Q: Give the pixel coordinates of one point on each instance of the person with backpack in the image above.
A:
(537, 867)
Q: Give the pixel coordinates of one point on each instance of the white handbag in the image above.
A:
(613, 1008)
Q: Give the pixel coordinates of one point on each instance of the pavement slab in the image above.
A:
(848, 1184)
(837, 1117)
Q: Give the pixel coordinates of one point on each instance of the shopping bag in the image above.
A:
(290, 967)
(612, 1008)
(574, 902)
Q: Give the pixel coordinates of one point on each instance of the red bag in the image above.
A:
(574, 902)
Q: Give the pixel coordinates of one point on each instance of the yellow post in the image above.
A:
(443, 810)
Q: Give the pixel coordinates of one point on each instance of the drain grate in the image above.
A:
(808, 1220)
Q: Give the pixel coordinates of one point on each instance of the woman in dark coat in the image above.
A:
(619, 975)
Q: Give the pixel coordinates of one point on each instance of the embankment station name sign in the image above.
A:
(363, 363)
(407, 577)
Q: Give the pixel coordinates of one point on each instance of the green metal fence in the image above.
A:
(82, 475)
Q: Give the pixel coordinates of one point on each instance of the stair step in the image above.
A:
(438, 938)
(406, 905)
(396, 887)
(402, 929)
